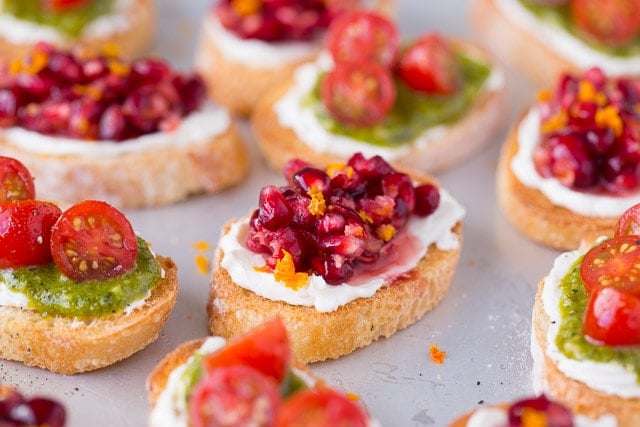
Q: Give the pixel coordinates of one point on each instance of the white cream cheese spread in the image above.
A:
(240, 262)
(528, 134)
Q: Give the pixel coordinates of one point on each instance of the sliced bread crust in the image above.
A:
(535, 215)
(316, 336)
(69, 346)
(460, 140)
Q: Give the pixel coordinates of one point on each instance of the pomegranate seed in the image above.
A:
(95, 68)
(8, 107)
(571, 164)
(379, 210)
(310, 177)
(399, 185)
(149, 71)
(64, 67)
(113, 125)
(274, 210)
(299, 206)
(331, 223)
(347, 246)
(427, 200)
(333, 269)
(375, 167)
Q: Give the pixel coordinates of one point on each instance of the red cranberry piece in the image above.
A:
(274, 211)
(113, 125)
(291, 167)
(557, 415)
(399, 185)
(346, 246)
(571, 164)
(310, 177)
(8, 107)
(149, 71)
(334, 269)
(330, 223)
(427, 200)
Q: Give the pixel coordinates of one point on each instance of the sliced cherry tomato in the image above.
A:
(614, 22)
(234, 396)
(93, 240)
(62, 5)
(629, 222)
(363, 36)
(16, 181)
(265, 348)
(554, 414)
(614, 262)
(358, 93)
(612, 317)
(25, 232)
(320, 408)
(429, 65)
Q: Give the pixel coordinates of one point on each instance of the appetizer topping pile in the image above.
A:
(250, 382)
(331, 222)
(278, 20)
(611, 23)
(90, 240)
(360, 90)
(68, 16)
(18, 411)
(539, 411)
(611, 275)
(590, 133)
(98, 98)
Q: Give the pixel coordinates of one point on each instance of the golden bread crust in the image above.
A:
(138, 179)
(535, 215)
(69, 346)
(316, 336)
(460, 140)
(576, 395)
(515, 46)
(130, 40)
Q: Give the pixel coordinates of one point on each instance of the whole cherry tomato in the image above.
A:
(25, 232)
(358, 93)
(614, 262)
(614, 22)
(234, 396)
(612, 317)
(15, 180)
(62, 5)
(93, 240)
(320, 408)
(363, 36)
(629, 222)
(265, 348)
(429, 65)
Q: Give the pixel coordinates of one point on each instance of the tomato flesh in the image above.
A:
(614, 262)
(363, 36)
(429, 65)
(320, 408)
(614, 22)
(62, 5)
(25, 232)
(629, 222)
(16, 181)
(358, 93)
(234, 396)
(93, 240)
(612, 317)
(265, 348)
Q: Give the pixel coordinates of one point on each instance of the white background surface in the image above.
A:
(483, 323)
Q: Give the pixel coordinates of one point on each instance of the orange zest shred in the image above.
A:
(555, 123)
(202, 264)
(119, 68)
(202, 245)
(317, 205)
(588, 93)
(365, 217)
(386, 232)
(263, 269)
(533, 418)
(334, 169)
(246, 7)
(544, 95)
(609, 117)
(352, 396)
(285, 272)
(437, 355)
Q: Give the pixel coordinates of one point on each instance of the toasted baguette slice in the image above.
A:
(535, 215)
(130, 37)
(137, 178)
(316, 336)
(239, 86)
(574, 394)
(69, 346)
(458, 142)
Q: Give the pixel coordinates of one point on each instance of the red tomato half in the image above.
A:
(629, 222)
(25, 232)
(614, 22)
(93, 240)
(363, 36)
(429, 65)
(358, 93)
(265, 348)
(234, 396)
(320, 408)
(612, 317)
(62, 5)
(16, 181)
(614, 262)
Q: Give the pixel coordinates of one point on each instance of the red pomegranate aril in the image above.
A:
(399, 185)
(291, 167)
(8, 107)
(379, 210)
(331, 223)
(274, 211)
(621, 178)
(599, 141)
(310, 177)
(290, 240)
(375, 167)
(333, 269)
(427, 200)
(299, 206)
(33, 87)
(150, 71)
(346, 246)
(192, 92)
(570, 162)
(113, 124)
(95, 68)
(62, 66)
(9, 397)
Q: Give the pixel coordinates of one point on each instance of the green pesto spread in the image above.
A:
(570, 339)
(71, 21)
(51, 293)
(560, 16)
(412, 112)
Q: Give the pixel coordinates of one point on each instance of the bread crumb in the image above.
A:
(437, 355)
